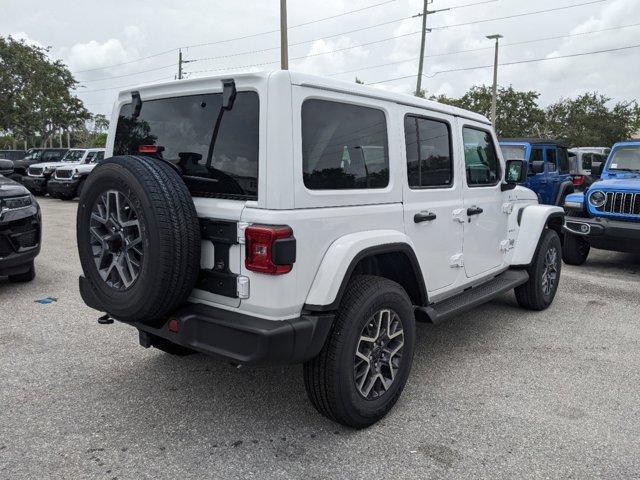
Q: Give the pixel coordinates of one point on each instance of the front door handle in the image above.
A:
(424, 217)
(474, 211)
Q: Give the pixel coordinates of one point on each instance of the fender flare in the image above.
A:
(532, 220)
(343, 255)
(564, 187)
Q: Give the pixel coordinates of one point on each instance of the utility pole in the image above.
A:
(423, 40)
(284, 42)
(494, 96)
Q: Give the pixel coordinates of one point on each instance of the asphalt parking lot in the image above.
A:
(496, 393)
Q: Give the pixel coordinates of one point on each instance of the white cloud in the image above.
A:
(94, 54)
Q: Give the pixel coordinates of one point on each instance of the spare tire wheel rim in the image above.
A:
(116, 239)
(378, 354)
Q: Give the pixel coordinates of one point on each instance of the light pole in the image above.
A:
(423, 40)
(284, 43)
(494, 99)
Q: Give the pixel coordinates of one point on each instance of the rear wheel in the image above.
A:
(575, 250)
(544, 274)
(138, 238)
(364, 365)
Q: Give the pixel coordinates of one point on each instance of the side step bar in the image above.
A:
(441, 311)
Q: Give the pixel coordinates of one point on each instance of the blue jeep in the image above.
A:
(607, 216)
(549, 169)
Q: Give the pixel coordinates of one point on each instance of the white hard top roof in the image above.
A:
(325, 83)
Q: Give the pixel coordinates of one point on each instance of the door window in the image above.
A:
(344, 146)
(429, 160)
(565, 166)
(552, 164)
(51, 156)
(480, 157)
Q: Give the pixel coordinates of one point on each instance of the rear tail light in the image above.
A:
(578, 180)
(271, 249)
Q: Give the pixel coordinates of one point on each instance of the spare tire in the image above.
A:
(138, 238)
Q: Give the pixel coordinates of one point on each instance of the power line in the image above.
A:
(392, 37)
(124, 86)
(518, 15)
(126, 63)
(523, 42)
(464, 69)
(128, 74)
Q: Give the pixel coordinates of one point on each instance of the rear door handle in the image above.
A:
(424, 217)
(474, 211)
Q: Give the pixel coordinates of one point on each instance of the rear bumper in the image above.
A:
(62, 187)
(235, 336)
(606, 234)
(35, 184)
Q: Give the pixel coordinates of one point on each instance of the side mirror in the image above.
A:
(596, 169)
(515, 172)
(535, 167)
(228, 94)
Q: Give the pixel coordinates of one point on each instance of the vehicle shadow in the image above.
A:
(224, 404)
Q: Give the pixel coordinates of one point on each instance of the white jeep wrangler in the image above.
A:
(287, 218)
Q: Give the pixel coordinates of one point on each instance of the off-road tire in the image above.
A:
(329, 377)
(531, 294)
(170, 237)
(25, 277)
(575, 250)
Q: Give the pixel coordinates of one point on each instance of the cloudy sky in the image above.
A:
(105, 43)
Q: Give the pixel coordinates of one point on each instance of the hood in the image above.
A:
(631, 184)
(9, 188)
(53, 164)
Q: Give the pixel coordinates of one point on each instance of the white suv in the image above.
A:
(288, 218)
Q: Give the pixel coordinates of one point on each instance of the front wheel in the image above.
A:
(575, 250)
(365, 362)
(544, 274)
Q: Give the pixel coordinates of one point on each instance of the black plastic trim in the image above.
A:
(219, 283)
(369, 252)
(244, 338)
(219, 231)
(284, 251)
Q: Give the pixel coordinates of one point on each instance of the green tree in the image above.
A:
(587, 120)
(36, 96)
(518, 113)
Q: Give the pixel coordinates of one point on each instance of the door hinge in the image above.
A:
(459, 215)
(243, 286)
(457, 261)
(242, 226)
(507, 208)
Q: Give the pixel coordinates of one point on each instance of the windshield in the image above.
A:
(182, 128)
(73, 156)
(513, 152)
(33, 155)
(626, 158)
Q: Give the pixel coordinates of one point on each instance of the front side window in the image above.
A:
(181, 130)
(428, 143)
(343, 146)
(73, 156)
(480, 158)
(51, 156)
(34, 155)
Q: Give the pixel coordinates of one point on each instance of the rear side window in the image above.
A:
(552, 163)
(182, 130)
(587, 160)
(480, 158)
(343, 146)
(428, 145)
